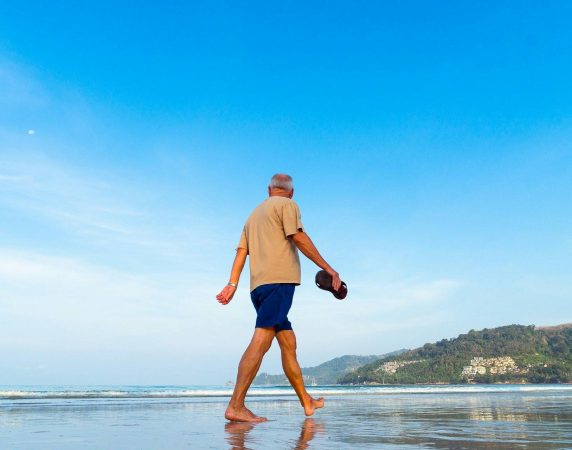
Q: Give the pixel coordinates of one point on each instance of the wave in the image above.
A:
(142, 392)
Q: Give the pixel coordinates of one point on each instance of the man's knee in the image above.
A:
(287, 341)
(266, 346)
(263, 339)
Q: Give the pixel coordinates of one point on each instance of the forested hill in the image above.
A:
(326, 373)
(514, 353)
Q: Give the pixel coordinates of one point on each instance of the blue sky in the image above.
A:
(429, 143)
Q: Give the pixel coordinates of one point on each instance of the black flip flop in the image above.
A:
(324, 281)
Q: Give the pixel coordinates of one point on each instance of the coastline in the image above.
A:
(462, 416)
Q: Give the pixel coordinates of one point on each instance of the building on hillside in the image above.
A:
(495, 366)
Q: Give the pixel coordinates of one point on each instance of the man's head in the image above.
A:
(281, 184)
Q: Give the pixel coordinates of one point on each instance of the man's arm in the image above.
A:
(307, 247)
(228, 291)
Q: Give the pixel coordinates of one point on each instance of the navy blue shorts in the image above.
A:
(272, 303)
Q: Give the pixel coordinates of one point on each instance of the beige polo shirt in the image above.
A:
(273, 257)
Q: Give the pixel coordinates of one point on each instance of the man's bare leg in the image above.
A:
(247, 370)
(287, 341)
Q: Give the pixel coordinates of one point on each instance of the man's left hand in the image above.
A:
(225, 296)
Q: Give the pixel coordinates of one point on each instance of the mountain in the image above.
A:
(326, 373)
(514, 353)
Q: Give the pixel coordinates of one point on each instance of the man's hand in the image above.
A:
(306, 246)
(228, 291)
(225, 296)
(336, 281)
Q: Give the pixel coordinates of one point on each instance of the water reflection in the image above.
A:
(309, 429)
(239, 438)
(237, 435)
(498, 416)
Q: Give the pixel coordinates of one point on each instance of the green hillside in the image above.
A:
(514, 353)
(326, 373)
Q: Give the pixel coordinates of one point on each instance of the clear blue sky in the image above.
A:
(430, 144)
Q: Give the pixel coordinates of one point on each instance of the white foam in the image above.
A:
(154, 392)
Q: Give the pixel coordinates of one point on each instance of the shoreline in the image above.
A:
(51, 393)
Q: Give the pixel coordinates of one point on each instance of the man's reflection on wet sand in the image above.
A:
(237, 434)
(309, 429)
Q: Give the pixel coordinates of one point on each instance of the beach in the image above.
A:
(392, 417)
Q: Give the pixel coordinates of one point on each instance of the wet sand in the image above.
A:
(539, 420)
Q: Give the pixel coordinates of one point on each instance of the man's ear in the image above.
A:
(269, 191)
(291, 193)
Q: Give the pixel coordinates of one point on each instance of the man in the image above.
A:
(271, 236)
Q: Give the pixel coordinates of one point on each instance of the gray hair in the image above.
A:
(281, 181)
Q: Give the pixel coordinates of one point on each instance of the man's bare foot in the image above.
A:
(311, 406)
(242, 415)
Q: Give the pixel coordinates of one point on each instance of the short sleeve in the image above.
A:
(243, 242)
(291, 219)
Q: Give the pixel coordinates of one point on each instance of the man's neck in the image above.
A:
(280, 193)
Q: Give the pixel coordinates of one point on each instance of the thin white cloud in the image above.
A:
(403, 294)
(55, 300)
(12, 179)
(41, 186)
(19, 88)
(428, 292)
(72, 283)
(99, 210)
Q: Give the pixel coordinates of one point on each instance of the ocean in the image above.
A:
(374, 417)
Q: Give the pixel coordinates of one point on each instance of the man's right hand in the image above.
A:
(336, 281)
(225, 296)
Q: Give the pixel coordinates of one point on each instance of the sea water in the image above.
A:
(192, 417)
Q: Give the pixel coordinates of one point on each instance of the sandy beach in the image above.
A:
(470, 417)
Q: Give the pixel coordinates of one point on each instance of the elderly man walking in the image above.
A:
(271, 237)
